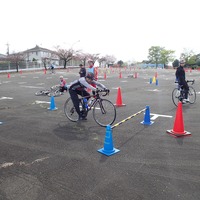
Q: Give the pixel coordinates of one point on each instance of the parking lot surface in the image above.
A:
(44, 156)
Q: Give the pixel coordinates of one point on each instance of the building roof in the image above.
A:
(37, 48)
(2, 55)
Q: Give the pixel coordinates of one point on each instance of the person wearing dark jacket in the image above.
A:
(180, 76)
(82, 71)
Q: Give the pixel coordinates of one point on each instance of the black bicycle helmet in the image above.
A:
(90, 75)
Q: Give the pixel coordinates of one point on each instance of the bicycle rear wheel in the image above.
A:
(191, 95)
(104, 112)
(70, 110)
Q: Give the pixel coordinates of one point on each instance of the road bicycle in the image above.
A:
(104, 112)
(53, 91)
(178, 94)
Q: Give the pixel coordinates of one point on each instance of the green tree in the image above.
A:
(155, 54)
(159, 55)
(120, 63)
(198, 63)
(175, 63)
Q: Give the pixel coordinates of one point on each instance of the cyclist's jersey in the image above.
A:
(82, 84)
(62, 83)
(180, 74)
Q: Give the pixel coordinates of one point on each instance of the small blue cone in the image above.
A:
(150, 81)
(156, 81)
(52, 104)
(147, 120)
(108, 149)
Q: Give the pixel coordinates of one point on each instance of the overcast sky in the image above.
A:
(123, 28)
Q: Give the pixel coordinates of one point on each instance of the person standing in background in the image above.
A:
(82, 71)
(91, 68)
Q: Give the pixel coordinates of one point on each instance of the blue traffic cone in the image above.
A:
(108, 148)
(150, 81)
(156, 81)
(147, 117)
(52, 104)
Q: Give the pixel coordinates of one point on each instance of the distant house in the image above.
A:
(40, 54)
(2, 56)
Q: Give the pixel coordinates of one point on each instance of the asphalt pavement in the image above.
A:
(44, 156)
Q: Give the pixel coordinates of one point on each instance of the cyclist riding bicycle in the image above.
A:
(79, 87)
(180, 76)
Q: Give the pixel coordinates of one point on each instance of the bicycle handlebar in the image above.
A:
(106, 91)
(188, 81)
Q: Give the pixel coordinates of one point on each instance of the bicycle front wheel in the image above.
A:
(70, 110)
(104, 112)
(176, 95)
(191, 95)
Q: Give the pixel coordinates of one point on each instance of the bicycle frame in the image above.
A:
(96, 97)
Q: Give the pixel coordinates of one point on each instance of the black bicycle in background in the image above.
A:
(178, 94)
(52, 91)
(104, 112)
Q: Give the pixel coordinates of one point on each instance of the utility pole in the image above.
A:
(7, 49)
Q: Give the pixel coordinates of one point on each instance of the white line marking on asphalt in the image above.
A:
(115, 88)
(40, 102)
(155, 116)
(9, 164)
(26, 86)
(5, 165)
(5, 98)
(22, 82)
(155, 90)
(39, 160)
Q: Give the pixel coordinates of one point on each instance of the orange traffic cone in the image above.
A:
(120, 75)
(119, 99)
(8, 75)
(178, 129)
(105, 75)
(135, 75)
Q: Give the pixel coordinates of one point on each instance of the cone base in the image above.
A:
(52, 108)
(176, 134)
(108, 153)
(147, 123)
(119, 105)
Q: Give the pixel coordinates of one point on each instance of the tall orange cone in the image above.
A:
(119, 99)
(8, 75)
(104, 75)
(120, 75)
(178, 129)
